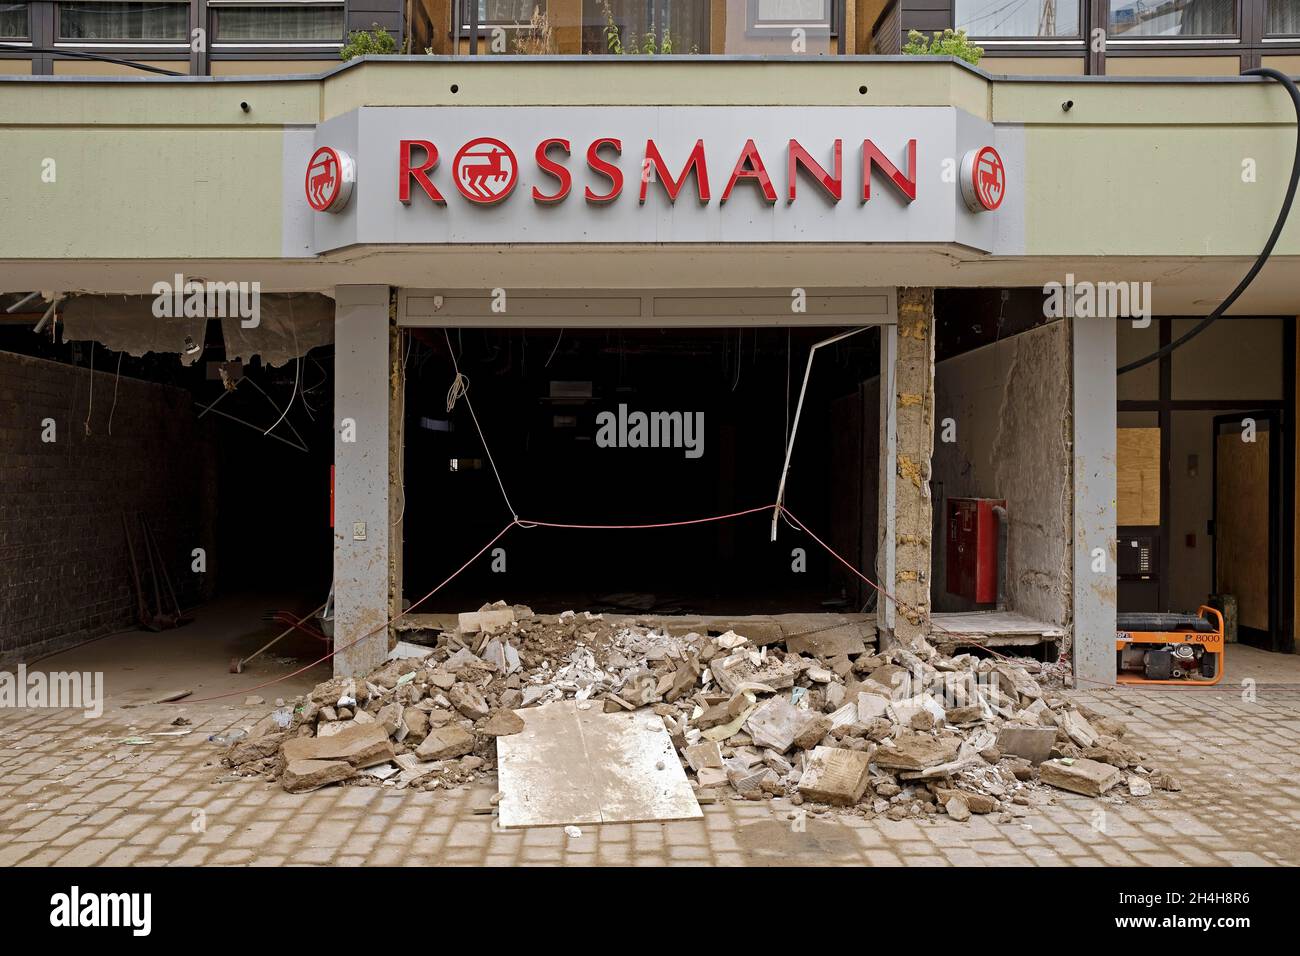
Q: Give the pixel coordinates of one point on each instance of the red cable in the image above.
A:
(610, 527)
(371, 633)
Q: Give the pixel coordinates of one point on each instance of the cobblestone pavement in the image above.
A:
(72, 792)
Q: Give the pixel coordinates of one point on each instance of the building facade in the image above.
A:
(748, 207)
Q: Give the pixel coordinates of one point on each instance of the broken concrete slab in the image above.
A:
(574, 766)
(1088, 777)
(358, 745)
(489, 620)
(703, 755)
(913, 751)
(467, 699)
(503, 723)
(775, 723)
(445, 743)
(871, 706)
(845, 641)
(1078, 728)
(1032, 743)
(303, 776)
(835, 775)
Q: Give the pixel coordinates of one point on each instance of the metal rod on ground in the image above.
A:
(237, 664)
(794, 429)
(140, 610)
(167, 578)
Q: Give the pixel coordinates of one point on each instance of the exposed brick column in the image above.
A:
(913, 509)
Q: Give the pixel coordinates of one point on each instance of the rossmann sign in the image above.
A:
(656, 175)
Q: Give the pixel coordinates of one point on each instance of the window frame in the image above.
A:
(1063, 40)
(26, 5)
(216, 44)
(1201, 40)
(1290, 39)
(483, 25)
(116, 43)
(827, 26)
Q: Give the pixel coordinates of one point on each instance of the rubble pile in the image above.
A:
(826, 723)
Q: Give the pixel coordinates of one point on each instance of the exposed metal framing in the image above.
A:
(661, 308)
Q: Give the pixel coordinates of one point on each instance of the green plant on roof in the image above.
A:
(376, 42)
(650, 44)
(948, 43)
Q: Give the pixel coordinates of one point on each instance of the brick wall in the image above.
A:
(65, 574)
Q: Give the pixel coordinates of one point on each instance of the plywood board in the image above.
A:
(576, 766)
(1137, 462)
(1241, 525)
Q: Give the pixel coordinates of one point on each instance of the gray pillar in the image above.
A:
(1095, 579)
(361, 485)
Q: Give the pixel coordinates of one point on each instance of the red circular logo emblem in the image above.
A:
(485, 170)
(989, 178)
(330, 175)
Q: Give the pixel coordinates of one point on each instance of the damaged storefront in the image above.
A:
(745, 373)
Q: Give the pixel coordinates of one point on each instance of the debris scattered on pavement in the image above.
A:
(824, 720)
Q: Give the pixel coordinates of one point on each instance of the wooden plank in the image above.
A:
(574, 766)
(1137, 462)
(1241, 525)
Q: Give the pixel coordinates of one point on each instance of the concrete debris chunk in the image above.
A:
(469, 701)
(445, 743)
(775, 723)
(913, 751)
(1032, 743)
(359, 745)
(1088, 777)
(750, 713)
(837, 776)
(503, 723)
(1078, 728)
(700, 756)
(489, 620)
(303, 776)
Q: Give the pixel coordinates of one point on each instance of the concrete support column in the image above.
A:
(1095, 578)
(361, 479)
(913, 398)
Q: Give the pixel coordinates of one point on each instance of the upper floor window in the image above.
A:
(269, 24)
(645, 26)
(504, 12)
(786, 15)
(1173, 18)
(1000, 18)
(124, 21)
(1282, 17)
(13, 21)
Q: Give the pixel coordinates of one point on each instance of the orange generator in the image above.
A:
(1169, 648)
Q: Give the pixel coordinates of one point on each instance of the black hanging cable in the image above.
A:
(1226, 304)
(78, 55)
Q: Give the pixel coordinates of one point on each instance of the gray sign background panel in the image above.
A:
(375, 216)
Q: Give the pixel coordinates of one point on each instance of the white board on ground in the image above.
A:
(572, 766)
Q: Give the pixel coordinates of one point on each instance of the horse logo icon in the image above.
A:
(983, 179)
(485, 170)
(330, 176)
